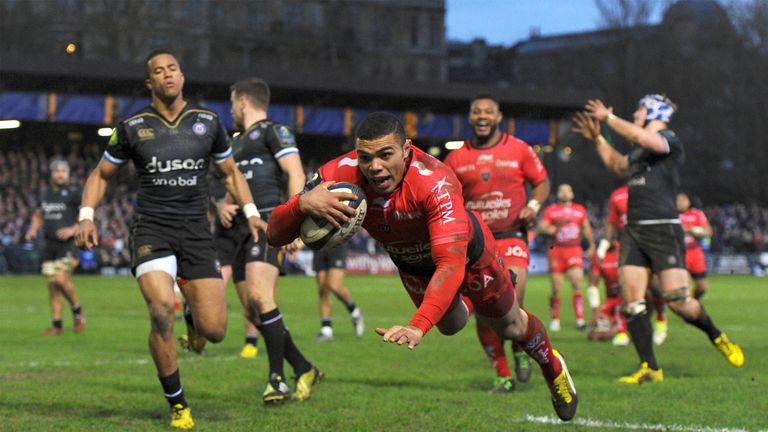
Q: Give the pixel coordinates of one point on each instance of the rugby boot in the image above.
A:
(249, 351)
(620, 339)
(79, 323)
(357, 322)
(53, 331)
(564, 398)
(730, 350)
(523, 368)
(644, 374)
(306, 382)
(660, 332)
(193, 342)
(277, 391)
(502, 385)
(181, 418)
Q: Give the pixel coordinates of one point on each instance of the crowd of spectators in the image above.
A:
(738, 228)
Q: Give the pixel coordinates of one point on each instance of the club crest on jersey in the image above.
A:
(254, 135)
(199, 128)
(285, 136)
(486, 176)
(255, 251)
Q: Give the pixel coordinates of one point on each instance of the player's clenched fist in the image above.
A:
(401, 335)
(86, 235)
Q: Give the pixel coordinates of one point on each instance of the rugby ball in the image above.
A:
(319, 234)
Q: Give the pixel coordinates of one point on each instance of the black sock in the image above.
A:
(641, 333)
(77, 311)
(326, 322)
(252, 340)
(57, 324)
(297, 361)
(174, 394)
(704, 322)
(273, 332)
(351, 306)
(188, 316)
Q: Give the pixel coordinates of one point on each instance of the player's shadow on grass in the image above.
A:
(483, 386)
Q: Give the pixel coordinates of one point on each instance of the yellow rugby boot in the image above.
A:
(306, 382)
(644, 374)
(181, 418)
(730, 350)
(564, 398)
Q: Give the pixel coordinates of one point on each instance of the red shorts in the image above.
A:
(562, 258)
(695, 262)
(514, 252)
(487, 283)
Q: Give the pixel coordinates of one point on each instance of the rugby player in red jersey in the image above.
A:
(607, 269)
(566, 222)
(695, 226)
(493, 169)
(446, 255)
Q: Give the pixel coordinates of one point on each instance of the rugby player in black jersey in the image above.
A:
(264, 151)
(171, 143)
(57, 215)
(652, 240)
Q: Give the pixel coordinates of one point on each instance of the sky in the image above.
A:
(505, 22)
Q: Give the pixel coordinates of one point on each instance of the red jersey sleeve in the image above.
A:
(547, 217)
(533, 170)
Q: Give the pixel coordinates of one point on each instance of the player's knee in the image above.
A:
(677, 296)
(161, 318)
(217, 335)
(634, 309)
(450, 327)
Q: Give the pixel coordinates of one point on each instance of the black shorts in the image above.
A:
(224, 238)
(246, 250)
(190, 240)
(55, 250)
(330, 258)
(658, 246)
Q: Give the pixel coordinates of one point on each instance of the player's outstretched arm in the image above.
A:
(401, 335)
(628, 130)
(86, 234)
(588, 126)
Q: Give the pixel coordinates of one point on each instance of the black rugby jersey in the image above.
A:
(171, 158)
(256, 152)
(654, 180)
(59, 207)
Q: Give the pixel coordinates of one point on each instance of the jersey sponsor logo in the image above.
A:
(199, 129)
(636, 181)
(255, 134)
(145, 134)
(253, 161)
(485, 157)
(444, 201)
(464, 168)
(53, 207)
(205, 116)
(410, 252)
(155, 165)
(507, 164)
(515, 251)
(178, 181)
(491, 206)
(136, 121)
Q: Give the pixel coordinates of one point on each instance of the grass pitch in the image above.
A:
(104, 379)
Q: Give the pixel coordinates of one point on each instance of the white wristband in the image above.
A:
(86, 213)
(250, 210)
(697, 231)
(602, 248)
(534, 205)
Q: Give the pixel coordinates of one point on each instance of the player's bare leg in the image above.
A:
(529, 332)
(157, 289)
(207, 300)
(54, 302)
(249, 349)
(675, 292)
(554, 300)
(335, 283)
(576, 277)
(64, 281)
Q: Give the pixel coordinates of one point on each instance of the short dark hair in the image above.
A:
(255, 89)
(156, 53)
(379, 124)
(484, 96)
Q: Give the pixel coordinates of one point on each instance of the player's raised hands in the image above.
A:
(597, 109)
(86, 235)
(585, 125)
(321, 203)
(401, 335)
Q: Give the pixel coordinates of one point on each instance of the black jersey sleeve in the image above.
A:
(313, 181)
(280, 141)
(118, 149)
(221, 148)
(676, 150)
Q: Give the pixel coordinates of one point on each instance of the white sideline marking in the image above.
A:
(141, 361)
(610, 424)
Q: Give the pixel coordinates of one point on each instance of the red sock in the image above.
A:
(578, 305)
(613, 309)
(494, 349)
(661, 308)
(535, 341)
(554, 305)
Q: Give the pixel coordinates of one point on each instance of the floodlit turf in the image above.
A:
(103, 379)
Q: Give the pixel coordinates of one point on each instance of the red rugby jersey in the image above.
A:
(568, 220)
(693, 218)
(494, 179)
(617, 207)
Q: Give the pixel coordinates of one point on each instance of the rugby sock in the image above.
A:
(297, 361)
(517, 348)
(326, 322)
(704, 322)
(554, 306)
(57, 324)
(640, 331)
(174, 394)
(614, 305)
(351, 306)
(494, 349)
(188, 316)
(535, 342)
(660, 306)
(273, 330)
(77, 311)
(252, 340)
(578, 305)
